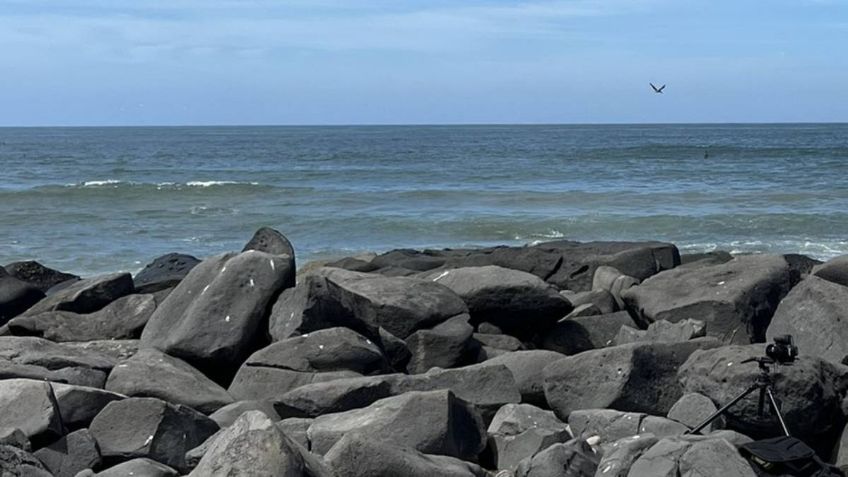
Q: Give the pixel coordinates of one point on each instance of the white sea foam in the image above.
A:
(100, 183)
(216, 183)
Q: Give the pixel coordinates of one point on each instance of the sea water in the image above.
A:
(93, 200)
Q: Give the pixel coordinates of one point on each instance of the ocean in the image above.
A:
(95, 200)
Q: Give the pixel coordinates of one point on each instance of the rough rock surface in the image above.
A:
(28, 405)
(434, 422)
(519, 431)
(16, 462)
(141, 467)
(124, 318)
(152, 428)
(575, 335)
(73, 453)
(527, 370)
(620, 455)
(446, 345)
(86, 296)
(736, 299)
(610, 425)
(692, 409)
(164, 272)
(663, 331)
(16, 296)
(816, 315)
(37, 275)
(518, 302)
(574, 458)
(36, 358)
(808, 390)
(151, 373)
(640, 377)
(228, 414)
(214, 316)
(79, 405)
(273, 242)
(673, 457)
(834, 270)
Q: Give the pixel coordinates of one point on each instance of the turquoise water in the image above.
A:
(92, 200)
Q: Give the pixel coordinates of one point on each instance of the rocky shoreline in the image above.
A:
(562, 358)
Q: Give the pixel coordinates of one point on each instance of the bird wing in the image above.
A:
(661, 88)
(654, 87)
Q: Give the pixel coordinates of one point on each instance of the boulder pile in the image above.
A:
(561, 358)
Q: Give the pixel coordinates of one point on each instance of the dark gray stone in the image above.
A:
(619, 456)
(262, 383)
(602, 299)
(296, 428)
(434, 422)
(609, 425)
(124, 318)
(815, 314)
(681, 457)
(363, 302)
(638, 377)
(574, 458)
(273, 242)
(36, 358)
(527, 370)
(692, 260)
(80, 404)
(213, 318)
(38, 275)
(226, 415)
(164, 272)
(808, 390)
(611, 280)
(73, 453)
(663, 331)
(151, 373)
(519, 303)
(12, 436)
(519, 431)
(117, 350)
(446, 345)
(16, 462)
(575, 335)
(834, 270)
(140, 467)
(736, 299)
(692, 409)
(152, 428)
(338, 395)
(86, 296)
(357, 455)
(499, 341)
(16, 296)
(27, 405)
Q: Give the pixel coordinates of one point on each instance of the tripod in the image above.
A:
(763, 382)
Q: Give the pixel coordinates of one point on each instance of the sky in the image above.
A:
(234, 62)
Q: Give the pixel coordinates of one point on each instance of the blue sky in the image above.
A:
(144, 62)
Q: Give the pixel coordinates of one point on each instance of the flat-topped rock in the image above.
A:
(37, 358)
(164, 272)
(37, 275)
(86, 296)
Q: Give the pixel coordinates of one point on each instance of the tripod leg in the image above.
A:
(761, 403)
(721, 411)
(777, 411)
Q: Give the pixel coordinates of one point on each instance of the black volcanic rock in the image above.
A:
(16, 296)
(86, 296)
(38, 275)
(272, 242)
(37, 358)
(164, 272)
(446, 345)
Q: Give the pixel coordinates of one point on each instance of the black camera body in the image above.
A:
(783, 350)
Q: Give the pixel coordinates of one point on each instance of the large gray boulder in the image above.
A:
(575, 335)
(29, 405)
(124, 318)
(86, 296)
(338, 395)
(815, 313)
(363, 302)
(663, 331)
(357, 455)
(609, 425)
(446, 345)
(214, 316)
(37, 275)
(736, 299)
(639, 377)
(433, 422)
(37, 358)
(78, 405)
(808, 391)
(228, 414)
(262, 383)
(251, 446)
(72, 453)
(681, 457)
(692, 409)
(16, 462)
(117, 350)
(519, 303)
(574, 458)
(140, 467)
(273, 242)
(152, 428)
(16, 296)
(527, 370)
(164, 272)
(519, 431)
(834, 270)
(151, 373)
(620, 455)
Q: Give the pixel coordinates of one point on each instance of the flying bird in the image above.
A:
(657, 90)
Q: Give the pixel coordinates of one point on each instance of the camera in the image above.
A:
(783, 350)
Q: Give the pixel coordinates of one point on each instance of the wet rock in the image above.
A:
(36, 358)
(28, 405)
(814, 313)
(16, 462)
(736, 299)
(124, 318)
(808, 390)
(152, 428)
(213, 318)
(71, 454)
(446, 345)
(636, 377)
(363, 302)
(86, 296)
(38, 275)
(226, 415)
(251, 446)
(164, 272)
(16, 296)
(574, 458)
(519, 431)
(434, 422)
(575, 335)
(151, 373)
(834, 270)
(357, 455)
(519, 303)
